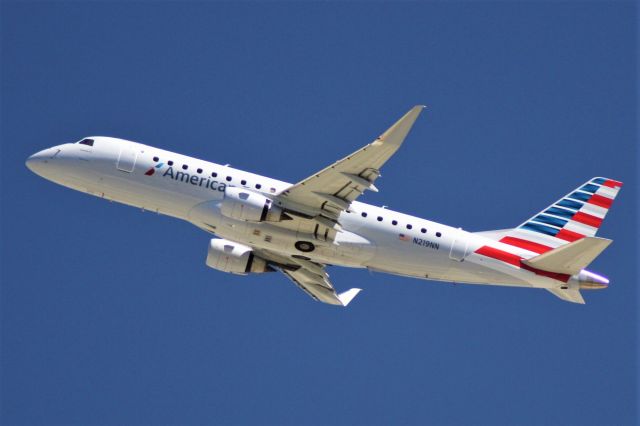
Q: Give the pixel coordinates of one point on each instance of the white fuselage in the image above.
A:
(187, 188)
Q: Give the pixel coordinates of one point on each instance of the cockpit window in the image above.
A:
(86, 142)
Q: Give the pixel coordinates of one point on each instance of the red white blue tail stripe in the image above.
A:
(577, 215)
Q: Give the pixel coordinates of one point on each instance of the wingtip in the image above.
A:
(396, 134)
(346, 297)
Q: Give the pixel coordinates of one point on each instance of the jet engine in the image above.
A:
(236, 258)
(242, 204)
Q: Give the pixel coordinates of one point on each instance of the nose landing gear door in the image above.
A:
(127, 159)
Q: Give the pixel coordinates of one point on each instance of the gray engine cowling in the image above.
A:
(242, 204)
(236, 258)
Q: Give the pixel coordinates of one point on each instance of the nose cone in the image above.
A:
(591, 281)
(40, 162)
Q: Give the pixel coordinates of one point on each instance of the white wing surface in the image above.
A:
(331, 190)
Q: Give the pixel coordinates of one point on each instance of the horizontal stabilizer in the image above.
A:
(570, 295)
(348, 295)
(571, 258)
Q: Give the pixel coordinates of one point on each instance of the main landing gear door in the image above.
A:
(459, 246)
(127, 159)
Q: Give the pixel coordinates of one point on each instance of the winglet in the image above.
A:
(396, 134)
(348, 296)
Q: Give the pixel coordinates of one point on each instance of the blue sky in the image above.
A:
(109, 315)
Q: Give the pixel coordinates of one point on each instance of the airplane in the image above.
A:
(264, 225)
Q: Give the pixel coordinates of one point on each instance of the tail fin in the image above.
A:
(577, 215)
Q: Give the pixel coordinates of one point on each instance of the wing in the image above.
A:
(310, 277)
(330, 191)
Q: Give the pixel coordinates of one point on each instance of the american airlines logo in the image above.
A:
(194, 180)
(152, 170)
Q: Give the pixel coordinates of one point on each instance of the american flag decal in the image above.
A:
(403, 237)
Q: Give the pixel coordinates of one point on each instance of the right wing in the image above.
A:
(310, 277)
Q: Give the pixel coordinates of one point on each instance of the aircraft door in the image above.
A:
(459, 246)
(127, 159)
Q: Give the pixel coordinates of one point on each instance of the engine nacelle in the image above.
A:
(236, 258)
(242, 204)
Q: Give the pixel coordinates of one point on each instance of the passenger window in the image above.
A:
(379, 218)
(243, 182)
(228, 178)
(364, 214)
(185, 167)
(394, 222)
(214, 174)
(409, 226)
(199, 171)
(438, 234)
(170, 163)
(156, 159)
(258, 186)
(423, 230)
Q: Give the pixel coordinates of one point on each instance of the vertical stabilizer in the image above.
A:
(575, 216)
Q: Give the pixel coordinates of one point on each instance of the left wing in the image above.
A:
(319, 287)
(310, 277)
(331, 190)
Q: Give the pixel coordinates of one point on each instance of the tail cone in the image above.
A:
(590, 281)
